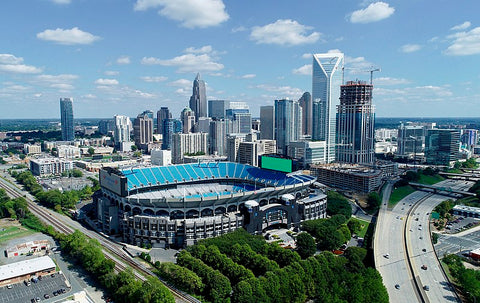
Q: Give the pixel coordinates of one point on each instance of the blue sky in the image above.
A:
(125, 56)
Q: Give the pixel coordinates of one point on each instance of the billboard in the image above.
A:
(283, 165)
(113, 182)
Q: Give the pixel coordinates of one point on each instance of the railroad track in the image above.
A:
(111, 250)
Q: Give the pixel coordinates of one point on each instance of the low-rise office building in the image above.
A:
(348, 176)
(49, 166)
(24, 270)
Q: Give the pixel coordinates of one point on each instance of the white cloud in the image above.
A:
(385, 81)
(202, 50)
(248, 76)
(282, 91)
(89, 96)
(462, 26)
(190, 13)
(10, 59)
(307, 56)
(303, 70)
(106, 81)
(374, 12)
(67, 36)
(123, 60)
(62, 86)
(181, 83)
(20, 69)
(62, 1)
(357, 63)
(239, 29)
(187, 63)
(111, 72)
(410, 48)
(154, 79)
(62, 78)
(413, 94)
(284, 32)
(464, 43)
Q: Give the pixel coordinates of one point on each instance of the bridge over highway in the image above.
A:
(466, 176)
(443, 189)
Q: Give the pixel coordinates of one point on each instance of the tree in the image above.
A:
(305, 245)
(354, 225)
(338, 204)
(133, 148)
(91, 151)
(374, 201)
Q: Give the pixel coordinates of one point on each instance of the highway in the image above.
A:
(399, 236)
(111, 249)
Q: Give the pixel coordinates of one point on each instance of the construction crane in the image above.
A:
(371, 70)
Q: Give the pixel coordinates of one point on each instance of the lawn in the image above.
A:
(365, 224)
(13, 232)
(399, 193)
(425, 179)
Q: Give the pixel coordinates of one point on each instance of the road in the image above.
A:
(399, 234)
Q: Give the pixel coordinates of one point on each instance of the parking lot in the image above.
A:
(21, 293)
(460, 224)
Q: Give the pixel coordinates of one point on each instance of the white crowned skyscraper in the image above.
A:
(198, 100)
(326, 81)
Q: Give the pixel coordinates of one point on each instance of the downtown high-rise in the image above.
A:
(162, 114)
(66, 117)
(198, 100)
(288, 123)
(327, 72)
(355, 124)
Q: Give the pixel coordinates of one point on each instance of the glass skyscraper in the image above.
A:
(326, 81)
(66, 116)
(198, 100)
(288, 121)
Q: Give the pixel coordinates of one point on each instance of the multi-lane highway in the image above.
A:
(402, 245)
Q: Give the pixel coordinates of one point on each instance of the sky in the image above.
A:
(126, 56)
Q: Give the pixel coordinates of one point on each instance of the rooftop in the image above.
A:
(26, 267)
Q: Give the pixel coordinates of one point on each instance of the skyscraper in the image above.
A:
(217, 108)
(288, 120)
(162, 114)
(170, 126)
(198, 100)
(143, 131)
(442, 146)
(305, 102)
(218, 137)
(267, 122)
(66, 115)
(123, 127)
(355, 124)
(188, 120)
(326, 81)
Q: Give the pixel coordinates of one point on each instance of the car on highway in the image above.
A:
(424, 267)
(397, 286)
(424, 250)
(426, 287)
(386, 256)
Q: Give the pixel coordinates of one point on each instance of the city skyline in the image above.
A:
(147, 53)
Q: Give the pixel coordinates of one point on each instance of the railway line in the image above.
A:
(112, 251)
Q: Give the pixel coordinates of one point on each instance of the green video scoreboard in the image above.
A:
(279, 164)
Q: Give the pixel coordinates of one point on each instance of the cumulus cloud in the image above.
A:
(464, 43)
(410, 48)
(202, 59)
(284, 32)
(181, 83)
(248, 76)
(20, 69)
(154, 79)
(106, 81)
(305, 70)
(239, 29)
(282, 91)
(386, 81)
(424, 93)
(62, 78)
(307, 56)
(190, 13)
(123, 60)
(462, 26)
(67, 36)
(10, 59)
(374, 12)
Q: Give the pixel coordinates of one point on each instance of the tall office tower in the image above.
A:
(233, 143)
(218, 137)
(170, 127)
(305, 102)
(66, 115)
(190, 143)
(249, 151)
(442, 146)
(149, 113)
(355, 124)
(288, 121)
(162, 114)
(267, 122)
(203, 125)
(123, 127)
(469, 138)
(242, 123)
(188, 120)
(326, 81)
(143, 131)
(411, 139)
(217, 108)
(198, 100)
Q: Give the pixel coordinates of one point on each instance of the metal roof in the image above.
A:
(26, 267)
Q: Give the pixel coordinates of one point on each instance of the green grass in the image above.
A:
(399, 193)
(454, 171)
(362, 232)
(13, 232)
(429, 180)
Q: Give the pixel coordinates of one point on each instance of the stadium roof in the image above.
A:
(162, 175)
(26, 267)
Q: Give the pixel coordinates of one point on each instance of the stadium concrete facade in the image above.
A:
(180, 204)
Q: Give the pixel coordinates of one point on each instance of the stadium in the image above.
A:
(180, 204)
